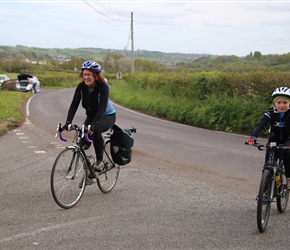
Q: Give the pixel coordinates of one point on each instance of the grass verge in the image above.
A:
(11, 104)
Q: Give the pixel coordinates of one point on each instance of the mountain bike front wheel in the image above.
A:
(68, 177)
(264, 200)
(107, 179)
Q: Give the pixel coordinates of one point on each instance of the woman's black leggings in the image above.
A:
(104, 124)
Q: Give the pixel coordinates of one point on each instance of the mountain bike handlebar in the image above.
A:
(83, 129)
(269, 145)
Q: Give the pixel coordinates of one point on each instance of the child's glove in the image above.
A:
(252, 141)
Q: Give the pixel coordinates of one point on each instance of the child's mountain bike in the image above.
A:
(273, 184)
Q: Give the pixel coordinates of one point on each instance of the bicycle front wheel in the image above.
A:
(264, 200)
(68, 177)
(107, 179)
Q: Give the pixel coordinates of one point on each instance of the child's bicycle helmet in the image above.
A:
(93, 66)
(281, 91)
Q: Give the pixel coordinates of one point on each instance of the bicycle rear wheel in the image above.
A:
(282, 191)
(69, 169)
(107, 179)
(264, 200)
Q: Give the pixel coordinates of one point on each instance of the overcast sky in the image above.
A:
(211, 27)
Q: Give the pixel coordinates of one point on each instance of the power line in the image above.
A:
(111, 10)
(105, 15)
(120, 14)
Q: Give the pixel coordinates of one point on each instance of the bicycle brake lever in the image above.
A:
(83, 131)
(57, 129)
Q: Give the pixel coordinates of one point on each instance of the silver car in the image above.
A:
(23, 85)
(3, 78)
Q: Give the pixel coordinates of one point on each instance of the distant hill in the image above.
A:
(25, 57)
(35, 53)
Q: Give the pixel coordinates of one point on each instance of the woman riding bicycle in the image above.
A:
(93, 90)
(278, 118)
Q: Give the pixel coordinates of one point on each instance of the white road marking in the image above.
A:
(54, 228)
(27, 106)
(57, 144)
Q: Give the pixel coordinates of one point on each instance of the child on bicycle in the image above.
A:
(278, 118)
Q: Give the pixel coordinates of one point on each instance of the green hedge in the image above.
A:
(231, 102)
(58, 79)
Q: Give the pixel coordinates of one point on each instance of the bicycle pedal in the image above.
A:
(90, 181)
(90, 176)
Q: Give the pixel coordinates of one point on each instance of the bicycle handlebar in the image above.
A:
(83, 130)
(268, 145)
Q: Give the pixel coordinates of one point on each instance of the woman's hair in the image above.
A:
(97, 75)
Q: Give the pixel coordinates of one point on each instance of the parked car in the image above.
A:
(23, 85)
(3, 78)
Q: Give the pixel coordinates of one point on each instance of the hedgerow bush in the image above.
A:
(231, 102)
(58, 79)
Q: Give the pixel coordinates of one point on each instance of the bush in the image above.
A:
(58, 79)
(231, 102)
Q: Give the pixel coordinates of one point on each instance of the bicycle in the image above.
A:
(272, 185)
(73, 170)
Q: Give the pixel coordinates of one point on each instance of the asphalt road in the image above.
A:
(186, 188)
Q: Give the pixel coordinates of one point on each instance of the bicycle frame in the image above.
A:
(78, 145)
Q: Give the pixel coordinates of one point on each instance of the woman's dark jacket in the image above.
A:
(96, 103)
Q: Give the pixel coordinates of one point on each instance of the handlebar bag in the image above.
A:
(122, 142)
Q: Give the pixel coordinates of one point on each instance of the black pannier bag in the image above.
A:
(122, 142)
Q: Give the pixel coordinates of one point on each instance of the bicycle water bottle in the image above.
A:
(278, 180)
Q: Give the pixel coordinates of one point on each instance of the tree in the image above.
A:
(257, 55)
(145, 65)
(111, 62)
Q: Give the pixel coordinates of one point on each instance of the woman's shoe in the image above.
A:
(99, 166)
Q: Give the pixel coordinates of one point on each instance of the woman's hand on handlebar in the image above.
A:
(90, 130)
(67, 126)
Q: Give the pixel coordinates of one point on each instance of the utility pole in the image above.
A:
(132, 38)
